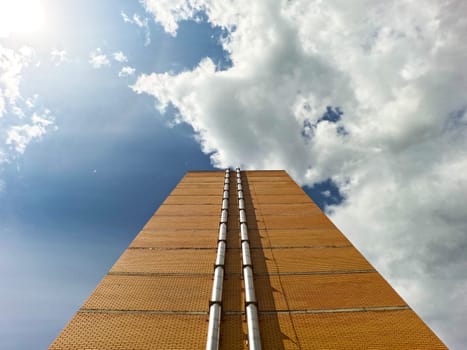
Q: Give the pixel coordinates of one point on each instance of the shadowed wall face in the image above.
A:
(314, 289)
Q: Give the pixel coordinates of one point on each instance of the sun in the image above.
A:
(20, 16)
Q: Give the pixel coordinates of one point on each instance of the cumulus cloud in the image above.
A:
(393, 77)
(119, 56)
(97, 59)
(141, 22)
(126, 71)
(58, 56)
(168, 15)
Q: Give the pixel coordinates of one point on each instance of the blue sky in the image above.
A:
(75, 198)
(104, 105)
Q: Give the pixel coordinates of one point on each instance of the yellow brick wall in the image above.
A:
(314, 289)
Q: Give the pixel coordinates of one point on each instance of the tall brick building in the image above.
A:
(238, 260)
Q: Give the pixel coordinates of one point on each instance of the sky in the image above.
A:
(104, 105)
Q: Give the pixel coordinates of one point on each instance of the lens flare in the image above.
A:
(21, 16)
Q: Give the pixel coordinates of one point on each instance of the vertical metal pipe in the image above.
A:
(216, 295)
(215, 310)
(246, 257)
(241, 204)
(223, 232)
(250, 295)
(243, 232)
(242, 216)
(224, 216)
(254, 338)
(214, 327)
(220, 258)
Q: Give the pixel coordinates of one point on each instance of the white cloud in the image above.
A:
(119, 56)
(168, 15)
(126, 71)
(21, 120)
(31, 101)
(97, 59)
(19, 136)
(11, 64)
(141, 22)
(125, 17)
(58, 56)
(398, 71)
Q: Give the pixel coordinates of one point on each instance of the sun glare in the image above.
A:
(20, 16)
